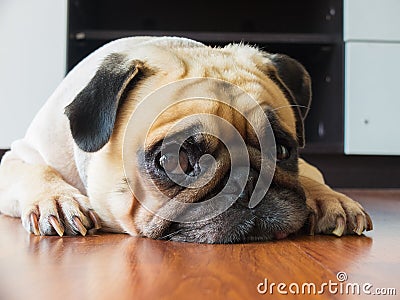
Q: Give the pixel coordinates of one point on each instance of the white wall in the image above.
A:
(372, 20)
(372, 76)
(372, 98)
(33, 37)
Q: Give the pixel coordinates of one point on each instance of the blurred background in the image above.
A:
(350, 47)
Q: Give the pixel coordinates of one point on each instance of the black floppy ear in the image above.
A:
(93, 112)
(295, 82)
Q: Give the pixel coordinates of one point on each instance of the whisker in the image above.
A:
(290, 105)
(269, 225)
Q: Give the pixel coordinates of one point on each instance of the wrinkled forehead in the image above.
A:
(208, 105)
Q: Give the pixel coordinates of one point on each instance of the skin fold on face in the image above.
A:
(281, 212)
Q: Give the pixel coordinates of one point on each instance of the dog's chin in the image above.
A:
(279, 214)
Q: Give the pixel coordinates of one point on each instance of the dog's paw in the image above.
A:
(61, 209)
(335, 213)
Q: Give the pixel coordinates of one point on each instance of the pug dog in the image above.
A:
(79, 169)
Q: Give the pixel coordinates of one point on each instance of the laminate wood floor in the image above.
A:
(113, 266)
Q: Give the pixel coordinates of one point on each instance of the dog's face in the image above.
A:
(139, 165)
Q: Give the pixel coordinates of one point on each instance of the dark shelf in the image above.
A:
(215, 37)
(357, 171)
(322, 148)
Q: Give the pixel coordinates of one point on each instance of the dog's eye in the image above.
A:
(282, 153)
(175, 163)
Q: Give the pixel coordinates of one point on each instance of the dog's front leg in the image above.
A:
(331, 212)
(46, 203)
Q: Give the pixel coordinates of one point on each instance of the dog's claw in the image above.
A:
(79, 226)
(34, 223)
(360, 225)
(56, 225)
(340, 226)
(95, 219)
